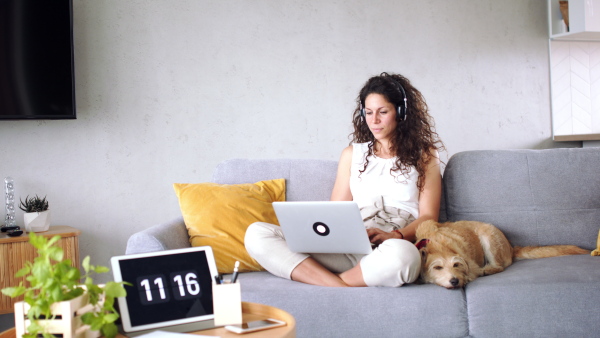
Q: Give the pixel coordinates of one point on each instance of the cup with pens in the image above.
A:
(227, 299)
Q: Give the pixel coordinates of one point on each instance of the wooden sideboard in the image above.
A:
(15, 251)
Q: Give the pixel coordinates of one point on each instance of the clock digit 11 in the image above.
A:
(159, 283)
(152, 289)
(184, 285)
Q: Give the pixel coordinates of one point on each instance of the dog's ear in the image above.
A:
(423, 253)
(426, 229)
(422, 243)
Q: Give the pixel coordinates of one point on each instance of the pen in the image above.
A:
(235, 271)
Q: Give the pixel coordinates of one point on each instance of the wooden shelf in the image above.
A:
(62, 230)
(580, 137)
(581, 36)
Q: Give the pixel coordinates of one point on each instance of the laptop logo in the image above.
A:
(321, 229)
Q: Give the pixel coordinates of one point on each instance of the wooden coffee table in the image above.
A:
(250, 312)
(254, 311)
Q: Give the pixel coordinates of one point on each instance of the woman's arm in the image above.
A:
(429, 205)
(341, 188)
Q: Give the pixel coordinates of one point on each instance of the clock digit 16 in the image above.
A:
(156, 289)
(185, 285)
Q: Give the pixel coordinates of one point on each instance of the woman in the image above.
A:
(392, 170)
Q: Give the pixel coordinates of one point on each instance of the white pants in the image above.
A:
(393, 263)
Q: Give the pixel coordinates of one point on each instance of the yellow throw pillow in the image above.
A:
(218, 215)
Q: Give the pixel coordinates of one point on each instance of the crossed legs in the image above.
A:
(394, 263)
(312, 272)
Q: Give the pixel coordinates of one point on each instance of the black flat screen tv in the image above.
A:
(36, 60)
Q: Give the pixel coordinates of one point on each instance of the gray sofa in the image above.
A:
(537, 197)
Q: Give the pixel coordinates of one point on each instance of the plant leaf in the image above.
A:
(86, 263)
(53, 240)
(96, 324)
(114, 289)
(24, 271)
(73, 274)
(108, 303)
(57, 293)
(86, 318)
(109, 330)
(41, 272)
(37, 241)
(102, 269)
(110, 318)
(56, 253)
(14, 291)
(34, 328)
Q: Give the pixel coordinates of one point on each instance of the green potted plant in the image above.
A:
(53, 284)
(37, 215)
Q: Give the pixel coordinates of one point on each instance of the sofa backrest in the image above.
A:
(536, 197)
(306, 180)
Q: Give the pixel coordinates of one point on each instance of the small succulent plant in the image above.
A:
(34, 204)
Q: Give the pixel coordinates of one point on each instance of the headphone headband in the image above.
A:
(402, 108)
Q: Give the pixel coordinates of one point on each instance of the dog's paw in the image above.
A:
(491, 270)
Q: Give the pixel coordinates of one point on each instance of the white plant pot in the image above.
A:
(68, 323)
(37, 221)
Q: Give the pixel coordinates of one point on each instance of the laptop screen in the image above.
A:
(168, 287)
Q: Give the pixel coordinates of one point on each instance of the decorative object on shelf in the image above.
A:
(55, 302)
(9, 190)
(564, 10)
(37, 215)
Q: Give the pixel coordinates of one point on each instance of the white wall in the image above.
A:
(166, 89)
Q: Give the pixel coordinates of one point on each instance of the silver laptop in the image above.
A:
(323, 227)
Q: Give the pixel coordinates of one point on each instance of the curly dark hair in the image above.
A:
(415, 137)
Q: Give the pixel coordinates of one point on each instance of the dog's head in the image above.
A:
(444, 269)
(440, 264)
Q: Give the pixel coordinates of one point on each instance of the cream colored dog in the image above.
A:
(454, 254)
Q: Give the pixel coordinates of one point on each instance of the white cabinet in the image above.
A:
(575, 71)
(584, 20)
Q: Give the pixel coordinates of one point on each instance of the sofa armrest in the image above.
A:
(165, 236)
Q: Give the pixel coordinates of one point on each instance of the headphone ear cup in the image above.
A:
(403, 108)
(401, 113)
(362, 112)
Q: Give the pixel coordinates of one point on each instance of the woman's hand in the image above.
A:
(377, 236)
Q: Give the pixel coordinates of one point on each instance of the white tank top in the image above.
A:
(397, 190)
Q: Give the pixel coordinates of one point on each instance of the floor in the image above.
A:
(7, 321)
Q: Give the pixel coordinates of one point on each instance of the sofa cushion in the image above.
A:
(533, 297)
(165, 236)
(536, 197)
(218, 215)
(410, 310)
(307, 180)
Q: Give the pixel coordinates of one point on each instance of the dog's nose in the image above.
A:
(454, 281)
